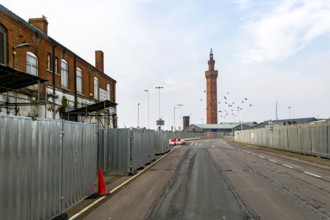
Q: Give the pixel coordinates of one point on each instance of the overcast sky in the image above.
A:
(265, 51)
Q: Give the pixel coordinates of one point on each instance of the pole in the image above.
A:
(289, 113)
(147, 91)
(174, 118)
(180, 105)
(138, 114)
(159, 87)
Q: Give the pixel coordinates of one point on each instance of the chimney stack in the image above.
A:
(40, 23)
(99, 63)
(186, 122)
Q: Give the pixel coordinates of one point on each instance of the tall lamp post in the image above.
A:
(147, 91)
(159, 88)
(23, 45)
(174, 118)
(138, 114)
(289, 112)
(180, 105)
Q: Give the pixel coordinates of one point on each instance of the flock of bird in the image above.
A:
(228, 107)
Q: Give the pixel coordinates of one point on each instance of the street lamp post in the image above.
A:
(138, 114)
(23, 45)
(289, 112)
(180, 105)
(159, 88)
(174, 119)
(147, 91)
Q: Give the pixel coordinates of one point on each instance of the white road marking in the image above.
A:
(288, 166)
(271, 160)
(262, 157)
(312, 174)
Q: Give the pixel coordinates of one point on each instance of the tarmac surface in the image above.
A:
(215, 179)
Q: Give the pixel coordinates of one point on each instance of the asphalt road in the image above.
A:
(216, 179)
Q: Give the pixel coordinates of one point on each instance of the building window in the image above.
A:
(64, 74)
(108, 92)
(31, 64)
(96, 88)
(3, 48)
(49, 68)
(79, 80)
(56, 65)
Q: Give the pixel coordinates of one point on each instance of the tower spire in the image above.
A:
(211, 54)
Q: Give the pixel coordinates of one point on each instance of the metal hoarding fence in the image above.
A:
(46, 166)
(312, 139)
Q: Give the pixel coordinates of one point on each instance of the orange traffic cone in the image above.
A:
(101, 189)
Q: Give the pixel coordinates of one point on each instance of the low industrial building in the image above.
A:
(224, 127)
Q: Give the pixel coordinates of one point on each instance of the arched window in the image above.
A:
(79, 80)
(3, 49)
(108, 92)
(49, 66)
(96, 88)
(31, 64)
(64, 74)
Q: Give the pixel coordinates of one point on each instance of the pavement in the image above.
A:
(113, 182)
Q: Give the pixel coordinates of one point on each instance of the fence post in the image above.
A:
(62, 166)
(130, 152)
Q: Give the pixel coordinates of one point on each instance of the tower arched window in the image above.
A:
(64, 74)
(79, 80)
(31, 63)
(3, 48)
(96, 88)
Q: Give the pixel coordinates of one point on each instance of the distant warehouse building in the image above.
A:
(224, 127)
(39, 77)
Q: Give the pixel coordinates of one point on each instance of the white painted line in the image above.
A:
(118, 187)
(271, 160)
(136, 175)
(86, 208)
(288, 166)
(262, 157)
(253, 154)
(312, 174)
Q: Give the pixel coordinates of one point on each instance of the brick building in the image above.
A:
(39, 77)
(211, 76)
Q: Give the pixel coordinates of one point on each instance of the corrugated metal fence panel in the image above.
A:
(29, 168)
(46, 158)
(31, 162)
(114, 149)
(123, 144)
(79, 162)
(143, 151)
(320, 140)
(306, 138)
(293, 138)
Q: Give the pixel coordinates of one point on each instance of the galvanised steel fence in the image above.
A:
(46, 166)
(310, 139)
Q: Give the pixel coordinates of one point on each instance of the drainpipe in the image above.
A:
(53, 69)
(75, 85)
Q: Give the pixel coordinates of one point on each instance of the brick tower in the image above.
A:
(211, 76)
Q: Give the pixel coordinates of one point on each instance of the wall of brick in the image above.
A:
(19, 31)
